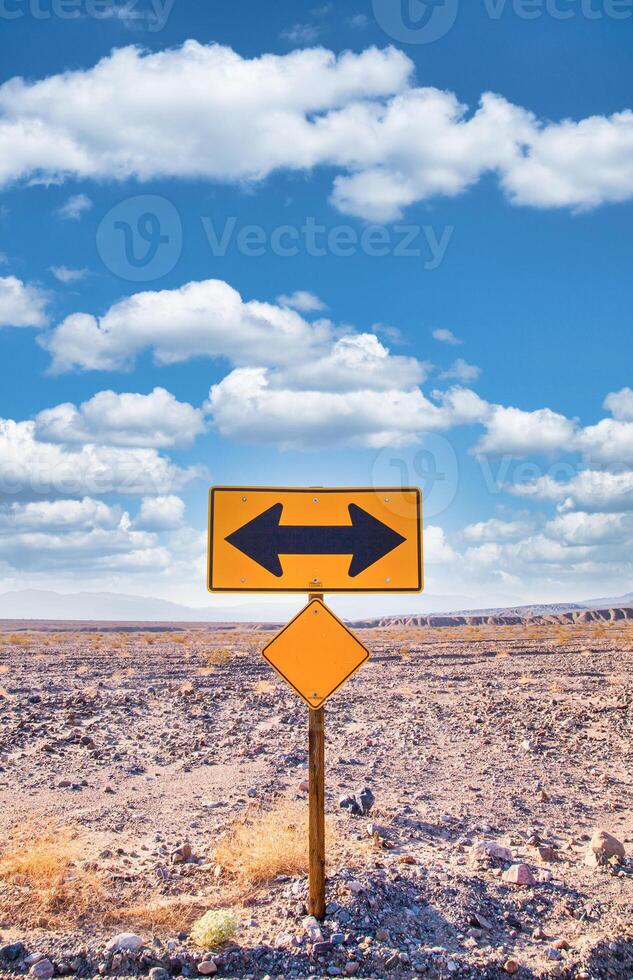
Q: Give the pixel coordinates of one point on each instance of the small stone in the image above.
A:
(366, 799)
(159, 973)
(304, 786)
(42, 970)
(207, 968)
(552, 953)
(322, 949)
(519, 874)
(12, 951)
(351, 968)
(392, 961)
(511, 966)
(490, 849)
(181, 854)
(337, 938)
(351, 804)
(125, 942)
(605, 845)
(560, 944)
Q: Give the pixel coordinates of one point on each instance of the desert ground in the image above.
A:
(149, 776)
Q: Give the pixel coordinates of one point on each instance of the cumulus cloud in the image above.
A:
(31, 469)
(620, 404)
(160, 513)
(511, 430)
(58, 534)
(203, 111)
(495, 530)
(200, 318)
(248, 406)
(21, 305)
(584, 529)
(156, 420)
(587, 490)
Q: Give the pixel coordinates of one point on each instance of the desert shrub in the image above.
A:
(261, 845)
(216, 657)
(44, 879)
(214, 928)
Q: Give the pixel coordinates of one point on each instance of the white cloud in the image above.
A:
(584, 529)
(609, 443)
(303, 301)
(59, 515)
(446, 336)
(21, 305)
(160, 513)
(355, 362)
(30, 469)
(588, 490)
(437, 550)
(513, 431)
(247, 406)
(156, 420)
(63, 274)
(620, 404)
(201, 318)
(62, 534)
(74, 207)
(204, 111)
(460, 370)
(495, 530)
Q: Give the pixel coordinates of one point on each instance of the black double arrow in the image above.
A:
(366, 539)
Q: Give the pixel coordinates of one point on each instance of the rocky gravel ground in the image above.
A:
(499, 840)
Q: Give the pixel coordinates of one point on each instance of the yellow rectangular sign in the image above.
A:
(267, 539)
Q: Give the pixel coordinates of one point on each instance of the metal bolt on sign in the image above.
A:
(273, 539)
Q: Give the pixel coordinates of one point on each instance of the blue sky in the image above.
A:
(425, 275)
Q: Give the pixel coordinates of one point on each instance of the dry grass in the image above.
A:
(264, 844)
(46, 881)
(263, 687)
(216, 657)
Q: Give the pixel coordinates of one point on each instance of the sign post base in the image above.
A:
(316, 817)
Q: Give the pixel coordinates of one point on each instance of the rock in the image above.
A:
(351, 804)
(207, 968)
(511, 966)
(519, 874)
(351, 968)
(304, 787)
(477, 919)
(322, 949)
(12, 951)
(490, 849)
(125, 942)
(181, 854)
(605, 845)
(392, 961)
(42, 970)
(159, 973)
(366, 799)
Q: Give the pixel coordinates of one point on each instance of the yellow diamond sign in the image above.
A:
(315, 653)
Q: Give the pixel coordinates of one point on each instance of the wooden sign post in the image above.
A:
(315, 541)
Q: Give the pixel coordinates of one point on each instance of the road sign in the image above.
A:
(315, 653)
(315, 540)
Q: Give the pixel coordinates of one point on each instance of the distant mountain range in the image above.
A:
(32, 604)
